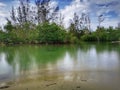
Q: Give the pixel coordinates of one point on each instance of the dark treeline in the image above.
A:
(43, 23)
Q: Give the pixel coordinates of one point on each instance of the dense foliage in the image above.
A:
(51, 33)
(45, 33)
(103, 34)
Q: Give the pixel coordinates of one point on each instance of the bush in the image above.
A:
(51, 33)
(89, 37)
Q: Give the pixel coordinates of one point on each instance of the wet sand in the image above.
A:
(57, 85)
(59, 82)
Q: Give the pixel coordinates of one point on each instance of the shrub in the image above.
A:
(51, 33)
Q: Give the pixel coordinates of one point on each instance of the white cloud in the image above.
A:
(102, 1)
(2, 5)
(104, 6)
(3, 13)
(92, 7)
(106, 23)
(87, 6)
(75, 7)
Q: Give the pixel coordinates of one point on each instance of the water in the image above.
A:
(95, 63)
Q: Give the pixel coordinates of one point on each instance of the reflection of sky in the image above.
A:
(66, 63)
(33, 67)
(89, 60)
(5, 68)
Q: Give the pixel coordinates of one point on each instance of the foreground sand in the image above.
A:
(57, 82)
(56, 85)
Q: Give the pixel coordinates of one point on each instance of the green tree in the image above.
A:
(8, 27)
(51, 33)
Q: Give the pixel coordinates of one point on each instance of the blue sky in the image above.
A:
(109, 8)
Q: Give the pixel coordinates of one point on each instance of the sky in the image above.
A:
(110, 9)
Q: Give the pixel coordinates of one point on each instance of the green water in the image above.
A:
(99, 63)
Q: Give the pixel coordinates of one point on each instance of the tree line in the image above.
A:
(43, 23)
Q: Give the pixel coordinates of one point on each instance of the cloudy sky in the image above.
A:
(110, 9)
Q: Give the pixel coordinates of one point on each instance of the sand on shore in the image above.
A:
(54, 82)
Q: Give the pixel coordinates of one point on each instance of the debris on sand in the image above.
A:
(3, 87)
(84, 80)
(50, 84)
(78, 87)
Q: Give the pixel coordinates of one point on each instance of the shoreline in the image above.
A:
(35, 84)
(57, 81)
(82, 42)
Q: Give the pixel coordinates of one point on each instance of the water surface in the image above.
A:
(98, 64)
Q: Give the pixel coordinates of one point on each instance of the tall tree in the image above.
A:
(8, 27)
(100, 20)
(20, 15)
(24, 5)
(60, 19)
(85, 21)
(13, 15)
(41, 12)
(81, 22)
(44, 13)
